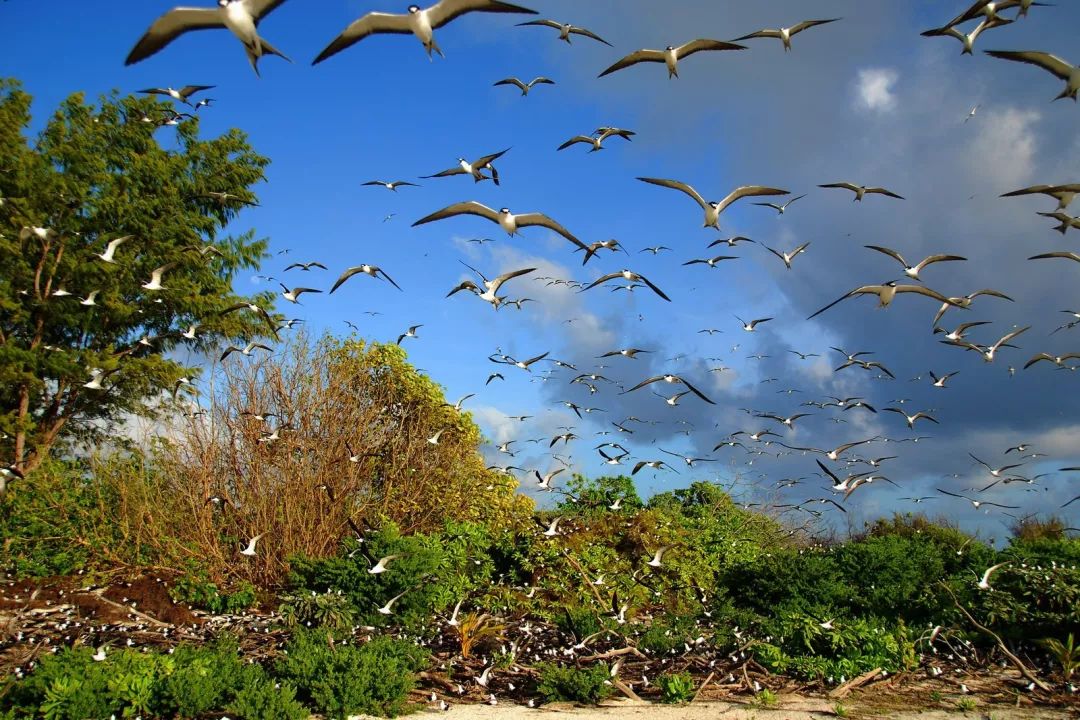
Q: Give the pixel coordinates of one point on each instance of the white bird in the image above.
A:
(474, 168)
(507, 220)
(392, 185)
(596, 139)
(565, 30)
(750, 326)
(984, 581)
(658, 556)
(788, 257)
(713, 209)
(371, 270)
(180, 95)
(250, 549)
(971, 114)
(1064, 194)
(434, 439)
(553, 528)
(785, 34)
(387, 608)
(1051, 63)
(97, 376)
(967, 40)
(629, 275)
(410, 333)
(990, 352)
(380, 567)
(490, 293)
(246, 350)
(421, 22)
(89, 299)
(294, 294)
(670, 55)
(155, 277)
(912, 271)
(110, 249)
(780, 209)
(523, 86)
(887, 292)
(861, 190)
(241, 17)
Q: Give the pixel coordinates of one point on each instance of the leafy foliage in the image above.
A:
(341, 680)
(676, 688)
(92, 175)
(189, 683)
(567, 683)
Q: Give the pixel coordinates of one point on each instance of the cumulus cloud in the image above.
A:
(874, 89)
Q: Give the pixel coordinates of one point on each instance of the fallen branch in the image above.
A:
(100, 595)
(853, 683)
(442, 682)
(625, 690)
(610, 654)
(1000, 643)
(700, 689)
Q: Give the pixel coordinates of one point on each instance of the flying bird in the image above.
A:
(181, 95)
(596, 139)
(886, 293)
(392, 185)
(912, 271)
(524, 87)
(371, 270)
(671, 379)
(785, 34)
(984, 581)
(630, 276)
(490, 293)
(670, 55)
(1060, 254)
(1051, 63)
(788, 257)
(250, 549)
(110, 249)
(421, 22)
(294, 294)
(475, 168)
(410, 333)
(780, 209)
(508, 221)
(241, 17)
(713, 209)
(565, 30)
(967, 40)
(861, 190)
(1064, 194)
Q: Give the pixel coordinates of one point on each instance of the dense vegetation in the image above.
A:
(324, 450)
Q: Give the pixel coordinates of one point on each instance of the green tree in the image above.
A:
(92, 175)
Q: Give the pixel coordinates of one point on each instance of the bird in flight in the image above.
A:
(861, 190)
(475, 168)
(912, 271)
(630, 276)
(241, 17)
(671, 55)
(565, 30)
(785, 34)
(1051, 63)
(392, 185)
(886, 293)
(523, 86)
(507, 220)
(713, 209)
(597, 138)
(671, 379)
(780, 209)
(421, 22)
(371, 270)
(180, 95)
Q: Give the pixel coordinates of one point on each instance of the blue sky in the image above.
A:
(864, 99)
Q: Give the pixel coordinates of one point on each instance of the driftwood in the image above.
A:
(854, 683)
(442, 682)
(625, 689)
(703, 685)
(100, 595)
(1000, 643)
(610, 654)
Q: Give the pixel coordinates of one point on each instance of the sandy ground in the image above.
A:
(788, 708)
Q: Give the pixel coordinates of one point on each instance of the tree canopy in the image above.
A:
(79, 308)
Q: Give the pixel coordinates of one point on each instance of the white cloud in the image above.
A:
(1003, 153)
(874, 89)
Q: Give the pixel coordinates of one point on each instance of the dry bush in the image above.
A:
(302, 490)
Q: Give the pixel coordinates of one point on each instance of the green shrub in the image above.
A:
(189, 683)
(342, 680)
(567, 683)
(329, 610)
(260, 698)
(676, 688)
(198, 591)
